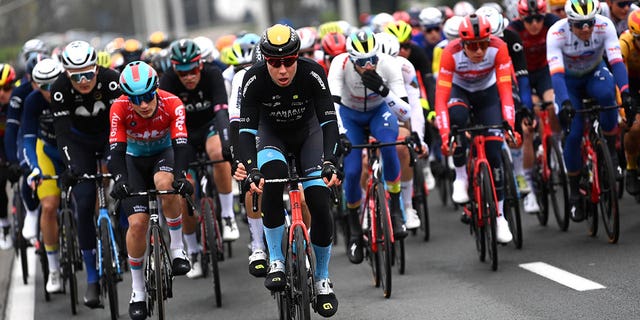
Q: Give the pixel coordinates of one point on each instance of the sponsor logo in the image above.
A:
(320, 82)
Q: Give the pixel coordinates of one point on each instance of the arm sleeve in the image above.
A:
(443, 90)
(516, 52)
(179, 140)
(30, 131)
(503, 81)
(62, 124)
(117, 144)
(249, 120)
(556, 65)
(220, 108)
(326, 113)
(11, 129)
(614, 54)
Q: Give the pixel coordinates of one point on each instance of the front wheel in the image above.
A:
(608, 203)
(211, 248)
(420, 198)
(158, 272)
(489, 214)
(511, 200)
(109, 269)
(302, 294)
(383, 237)
(558, 189)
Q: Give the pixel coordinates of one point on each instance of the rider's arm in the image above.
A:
(117, 141)
(555, 41)
(31, 116)
(325, 112)
(249, 120)
(443, 88)
(234, 111)
(220, 109)
(179, 137)
(62, 120)
(503, 81)
(11, 129)
(618, 68)
(335, 77)
(396, 99)
(413, 94)
(516, 52)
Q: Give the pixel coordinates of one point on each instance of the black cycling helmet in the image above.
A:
(185, 54)
(279, 41)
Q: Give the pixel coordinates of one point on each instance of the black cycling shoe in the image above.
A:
(180, 266)
(464, 218)
(355, 253)
(631, 182)
(577, 209)
(275, 279)
(92, 296)
(326, 301)
(138, 310)
(399, 228)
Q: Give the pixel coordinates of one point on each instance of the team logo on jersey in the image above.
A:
(132, 124)
(320, 82)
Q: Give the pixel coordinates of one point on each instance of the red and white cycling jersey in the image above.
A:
(568, 54)
(456, 68)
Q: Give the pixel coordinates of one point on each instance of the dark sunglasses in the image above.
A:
(87, 75)
(405, 45)
(429, 30)
(362, 62)
(147, 97)
(475, 45)
(623, 4)
(277, 62)
(531, 18)
(45, 86)
(7, 87)
(307, 54)
(195, 71)
(583, 23)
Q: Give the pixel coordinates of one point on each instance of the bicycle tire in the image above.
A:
(211, 248)
(592, 218)
(300, 277)
(283, 305)
(489, 214)
(20, 243)
(158, 272)
(44, 264)
(420, 200)
(511, 200)
(401, 255)
(109, 270)
(384, 237)
(373, 257)
(558, 182)
(68, 251)
(541, 190)
(608, 200)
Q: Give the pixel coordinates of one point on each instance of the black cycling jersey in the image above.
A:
(286, 110)
(83, 114)
(516, 52)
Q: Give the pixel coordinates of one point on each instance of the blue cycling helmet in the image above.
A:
(138, 78)
(249, 38)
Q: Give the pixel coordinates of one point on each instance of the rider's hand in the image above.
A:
(14, 171)
(69, 178)
(516, 142)
(237, 168)
(120, 190)
(372, 80)
(445, 144)
(183, 186)
(34, 178)
(344, 144)
(254, 181)
(330, 175)
(566, 113)
(630, 106)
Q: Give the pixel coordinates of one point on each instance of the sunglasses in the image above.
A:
(86, 75)
(286, 61)
(475, 45)
(362, 62)
(147, 97)
(45, 86)
(307, 54)
(405, 45)
(7, 87)
(583, 23)
(193, 72)
(623, 4)
(535, 17)
(432, 29)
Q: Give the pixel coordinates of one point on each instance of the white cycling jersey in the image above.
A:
(234, 94)
(567, 53)
(344, 81)
(413, 94)
(228, 75)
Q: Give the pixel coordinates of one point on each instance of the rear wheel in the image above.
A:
(211, 248)
(489, 214)
(109, 270)
(302, 294)
(558, 188)
(511, 200)
(383, 237)
(608, 203)
(44, 265)
(419, 199)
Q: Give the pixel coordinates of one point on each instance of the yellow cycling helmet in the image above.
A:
(634, 23)
(329, 27)
(7, 75)
(399, 29)
(104, 59)
(556, 3)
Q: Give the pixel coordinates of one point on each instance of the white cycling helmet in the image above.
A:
(463, 9)
(206, 48)
(78, 54)
(31, 46)
(308, 37)
(362, 44)
(494, 5)
(497, 21)
(46, 71)
(451, 27)
(380, 20)
(578, 10)
(430, 16)
(387, 43)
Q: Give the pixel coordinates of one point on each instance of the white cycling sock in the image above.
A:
(407, 193)
(175, 232)
(461, 173)
(516, 157)
(192, 243)
(500, 207)
(529, 177)
(257, 238)
(137, 276)
(226, 204)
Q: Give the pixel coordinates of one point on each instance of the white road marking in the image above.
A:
(21, 300)
(560, 276)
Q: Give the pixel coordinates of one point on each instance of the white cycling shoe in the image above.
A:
(531, 203)
(413, 221)
(503, 234)
(460, 191)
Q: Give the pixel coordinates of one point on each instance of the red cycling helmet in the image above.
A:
(474, 28)
(334, 43)
(531, 7)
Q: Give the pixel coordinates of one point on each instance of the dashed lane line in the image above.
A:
(560, 276)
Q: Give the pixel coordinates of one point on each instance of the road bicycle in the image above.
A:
(597, 176)
(378, 237)
(20, 244)
(211, 237)
(550, 175)
(158, 274)
(420, 196)
(511, 197)
(482, 208)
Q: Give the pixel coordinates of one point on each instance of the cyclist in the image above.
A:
(7, 78)
(557, 7)
(629, 44)
(200, 86)
(148, 135)
(476, 68)
(80, 107)
(41, 154)
(618, 11)
(302, 121)
(369, 89)
(333, 44)
(575, 47)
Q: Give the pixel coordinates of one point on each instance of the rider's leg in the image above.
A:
(222, 179)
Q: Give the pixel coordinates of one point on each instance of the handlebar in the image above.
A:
(153, 192)
(455, 131)
(254, 196)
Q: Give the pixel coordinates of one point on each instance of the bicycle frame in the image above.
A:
(546, 133)
(589, 156)
(478, 157)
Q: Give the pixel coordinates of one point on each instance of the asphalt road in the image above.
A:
(444, 279)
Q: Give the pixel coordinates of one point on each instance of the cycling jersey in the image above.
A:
(456, 68)
(519, 63)
(621, 25)
(13, 130)
(413, 95)
(535, 46)
(37, 124)
(631, 55)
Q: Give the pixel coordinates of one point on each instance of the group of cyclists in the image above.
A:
(255, 100)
